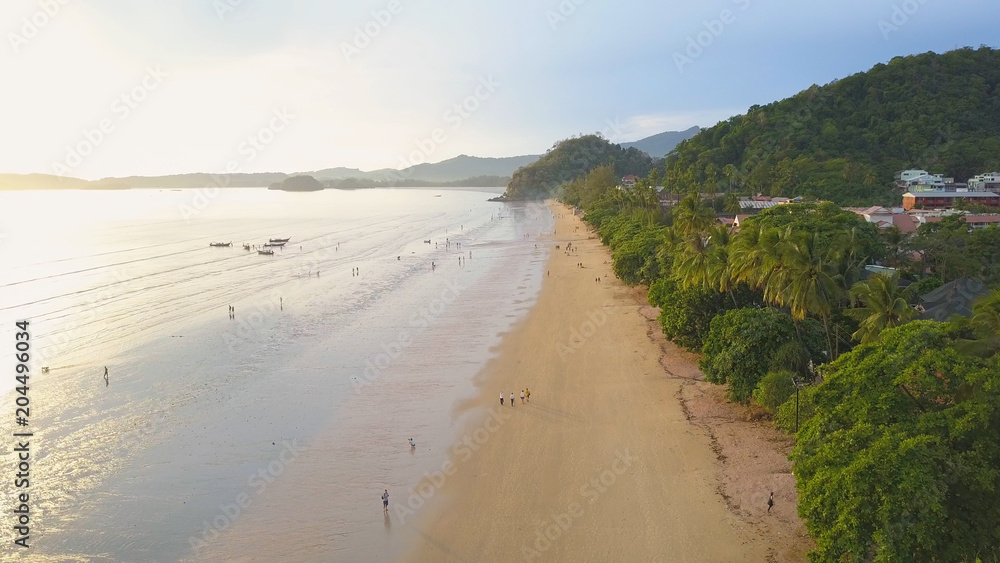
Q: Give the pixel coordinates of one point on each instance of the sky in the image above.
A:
(98, 88)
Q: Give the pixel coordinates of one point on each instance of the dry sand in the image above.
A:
(604, 463)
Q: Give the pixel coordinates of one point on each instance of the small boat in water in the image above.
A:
(246, 247)
(281, 240)
(266, 252)
(220, 244)
(275, 244)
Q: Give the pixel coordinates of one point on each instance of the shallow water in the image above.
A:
(278, 429)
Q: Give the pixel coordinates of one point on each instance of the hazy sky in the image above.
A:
(182, 85)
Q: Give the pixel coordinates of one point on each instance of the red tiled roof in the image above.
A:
(906, 223)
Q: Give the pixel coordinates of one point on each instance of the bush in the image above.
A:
(686, 314)
(928, 285)
(784, 418)
(774, 390)
(742, 345)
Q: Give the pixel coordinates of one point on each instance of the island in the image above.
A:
(298, 184)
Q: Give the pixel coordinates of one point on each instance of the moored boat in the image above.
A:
(265, 252)
(275, 244)
(220, 244)
(282, 240)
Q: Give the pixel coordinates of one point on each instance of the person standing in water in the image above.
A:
(106, 381)
(385, 502)
(412, 443)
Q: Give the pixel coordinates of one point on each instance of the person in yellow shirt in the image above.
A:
(527, 394)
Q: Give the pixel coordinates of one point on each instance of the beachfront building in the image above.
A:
(942, 199)
(629, 181)
(985, 182)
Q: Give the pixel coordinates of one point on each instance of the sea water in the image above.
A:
(271, 432)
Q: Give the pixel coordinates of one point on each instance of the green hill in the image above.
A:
(570, 159)
(845, 141)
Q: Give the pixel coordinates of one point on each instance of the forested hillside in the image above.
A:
(572, 158)
(844, 141)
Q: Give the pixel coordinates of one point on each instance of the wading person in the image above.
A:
(106, 381)
(385, 502)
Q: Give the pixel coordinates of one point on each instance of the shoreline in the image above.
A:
(604, 462)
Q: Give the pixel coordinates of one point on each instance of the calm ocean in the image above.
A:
(276, 430)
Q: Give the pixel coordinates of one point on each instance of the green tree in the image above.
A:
(692, 216)
(901, 460)
(885, 305)
(742, 344)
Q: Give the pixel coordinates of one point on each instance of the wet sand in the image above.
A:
(601, 465)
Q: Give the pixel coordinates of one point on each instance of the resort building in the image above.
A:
(941, 199)
(985, 182)
(629, 181)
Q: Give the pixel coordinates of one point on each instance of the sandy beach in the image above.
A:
(603, 463)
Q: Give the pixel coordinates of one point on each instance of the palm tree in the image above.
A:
(692, 216)
(692, 264)
(732, 204)
(886, 305)
(729, 171)
(807, 282)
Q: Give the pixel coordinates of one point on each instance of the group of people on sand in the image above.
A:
(525, 397)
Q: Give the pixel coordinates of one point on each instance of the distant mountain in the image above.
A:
(452, 170)
(40, 182)
(573, 158)
(659, 145)
(197, 180)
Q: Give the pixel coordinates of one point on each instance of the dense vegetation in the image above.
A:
(567, 159)
(843, 142)
(898, 457)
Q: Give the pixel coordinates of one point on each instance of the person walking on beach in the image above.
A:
(770, 501)
(512, 399)
(522, 396)
(106, 382)
(527, 394)
(501, 398)
(385, 502)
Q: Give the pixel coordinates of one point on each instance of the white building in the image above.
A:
(907, 175)
(985, 182)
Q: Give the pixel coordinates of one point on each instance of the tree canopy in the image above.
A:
(844, 141)
(901, 460)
